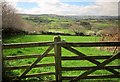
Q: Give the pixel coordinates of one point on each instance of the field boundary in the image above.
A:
(57, 44)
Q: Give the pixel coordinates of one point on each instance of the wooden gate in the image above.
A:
(34, 64)
(70, 46)
(93, 59)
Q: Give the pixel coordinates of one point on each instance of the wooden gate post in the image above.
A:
(57, 50)
(1, 59)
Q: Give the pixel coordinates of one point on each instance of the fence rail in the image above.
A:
(92, 44)
(26, 66)
(24, 45)
(57, 45)
(87, 57)
(25, 56)
(74, 44)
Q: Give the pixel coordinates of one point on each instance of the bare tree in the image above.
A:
(11, 21)
(77, 28)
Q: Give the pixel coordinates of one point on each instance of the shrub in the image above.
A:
(11, 22)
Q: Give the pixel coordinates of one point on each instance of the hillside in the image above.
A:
(75, 25)
(74, 17)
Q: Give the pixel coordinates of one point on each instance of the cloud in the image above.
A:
(100, 7)
(107, 0)
(108, 8)
(90, 0)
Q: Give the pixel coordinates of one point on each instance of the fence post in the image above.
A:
(57, 50)
(1, 59)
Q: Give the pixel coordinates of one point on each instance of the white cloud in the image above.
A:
(101, 7)
(107, 0)
(90, 0)
(108, 8)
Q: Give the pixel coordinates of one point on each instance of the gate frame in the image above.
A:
(58, 44)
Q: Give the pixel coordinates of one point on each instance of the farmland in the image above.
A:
(40, 50)
(69, 24)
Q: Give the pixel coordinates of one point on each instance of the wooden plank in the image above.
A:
(35, 75)
(85, 58)
(90, 59)
(14, 80)
(95, 68)
(75, 44)
(39, 74)
(57, 50)
(1, 57)
(92, 44)
(39, 58)
(25, 56)
(26, 66)
(92, 77)
(25, 45)
(90, 67)
(48, 81)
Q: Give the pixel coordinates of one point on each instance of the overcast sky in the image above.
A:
(67, 7)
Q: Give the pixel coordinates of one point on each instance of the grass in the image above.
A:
(41, 38)
(40, 50)
(103, 25)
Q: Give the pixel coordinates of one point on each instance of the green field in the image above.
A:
(41, 38)
(40, 50)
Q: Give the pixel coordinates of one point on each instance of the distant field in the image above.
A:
(40, 50)
(61, 31)
(39, 38)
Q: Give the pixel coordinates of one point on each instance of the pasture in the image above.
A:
(40, 50)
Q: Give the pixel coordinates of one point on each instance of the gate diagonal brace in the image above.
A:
(91, 59)
(107, 61)
(39, 59)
